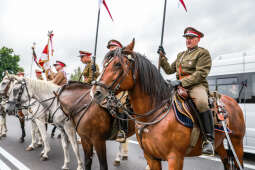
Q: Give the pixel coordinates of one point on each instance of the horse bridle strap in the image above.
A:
(111, 87)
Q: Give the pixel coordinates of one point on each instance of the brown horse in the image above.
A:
(166, 140)
(93, 123)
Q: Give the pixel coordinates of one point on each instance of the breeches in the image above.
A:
(199, 96)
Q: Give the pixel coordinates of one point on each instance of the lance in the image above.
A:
(162, 31)
(95, 49)
(31, 67)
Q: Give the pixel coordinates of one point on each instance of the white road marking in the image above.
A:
(13, 160)
(246, 165)
(3, 166)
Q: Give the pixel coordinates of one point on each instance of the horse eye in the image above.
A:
(118, 64)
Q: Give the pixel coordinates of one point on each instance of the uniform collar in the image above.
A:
(192, 49)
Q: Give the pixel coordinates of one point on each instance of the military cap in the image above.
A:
(192, 32)
(38, 71)
(60, 63)
(20, 73)
(84, 53)
(114, 43)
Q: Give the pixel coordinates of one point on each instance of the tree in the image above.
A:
(76, 75)
(9, 62)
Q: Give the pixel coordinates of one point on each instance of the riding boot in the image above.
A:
(208, 144)
(121, 137)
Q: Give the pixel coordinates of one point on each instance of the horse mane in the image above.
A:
(151, 81)
(42, 86)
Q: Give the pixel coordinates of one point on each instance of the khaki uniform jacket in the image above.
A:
(58, 78)
(195, 67)
(88, 73)
(40, 78)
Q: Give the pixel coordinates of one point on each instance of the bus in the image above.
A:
(234, 75)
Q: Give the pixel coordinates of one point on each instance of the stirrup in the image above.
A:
(208, 148)
(121, 137)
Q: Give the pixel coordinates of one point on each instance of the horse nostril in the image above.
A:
(98, 93)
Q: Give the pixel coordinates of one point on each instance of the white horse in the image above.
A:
(5, 89)
(25, 89)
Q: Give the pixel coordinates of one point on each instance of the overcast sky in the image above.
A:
(228, 26)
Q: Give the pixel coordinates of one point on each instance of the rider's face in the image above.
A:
(113, 47)
(192, 41)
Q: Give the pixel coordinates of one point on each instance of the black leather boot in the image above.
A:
(208, 144)
(121, 137)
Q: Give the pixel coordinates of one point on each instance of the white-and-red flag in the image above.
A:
(44, 59)
(103, 2)
(183, 4)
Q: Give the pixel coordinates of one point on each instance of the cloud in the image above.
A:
(227, 26)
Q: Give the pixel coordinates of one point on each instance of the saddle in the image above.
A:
(184, 112)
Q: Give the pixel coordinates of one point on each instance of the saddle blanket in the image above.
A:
(186, 121)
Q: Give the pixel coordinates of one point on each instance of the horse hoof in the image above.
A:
(65, 168)
(21, 140)
(44, 158)
(124, 158)
(116, 163)
(29, 148)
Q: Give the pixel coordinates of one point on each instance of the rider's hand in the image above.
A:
(176, 83)
(161, 51)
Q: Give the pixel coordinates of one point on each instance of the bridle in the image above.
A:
(17, 102)
(115, 86)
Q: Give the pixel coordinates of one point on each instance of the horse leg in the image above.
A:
(38, 137)
(124, 150)
(22, 125)
(175, 161)
(53, 132)
(221, 151)
(2, 126)
(33, 142)
(118, 156)
(238, 146)
(88, 152)
(153, 164)
(100, 147)
(65, 146)
(42, 129)
(71, 133)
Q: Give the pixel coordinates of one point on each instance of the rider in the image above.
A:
(88, 72)
(58, 78)
(38, 74)
(121, 137)
(192, 67)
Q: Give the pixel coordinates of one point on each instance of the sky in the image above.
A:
(228, 26)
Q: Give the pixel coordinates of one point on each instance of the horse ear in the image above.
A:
(130, 47)
(6, 73)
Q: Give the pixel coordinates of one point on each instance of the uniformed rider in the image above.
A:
(87, 73)
(58, 78)
(38, 74)
(192, 67)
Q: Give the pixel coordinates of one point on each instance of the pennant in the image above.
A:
(44, 57)
(103, 2)
(183, 4)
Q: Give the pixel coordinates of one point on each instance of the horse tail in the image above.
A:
(231, 159)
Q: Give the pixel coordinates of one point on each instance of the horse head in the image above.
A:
(119, 73)
(18, 94)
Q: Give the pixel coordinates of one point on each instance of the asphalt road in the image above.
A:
(13, 155)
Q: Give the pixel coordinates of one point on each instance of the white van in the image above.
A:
(234, 75)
